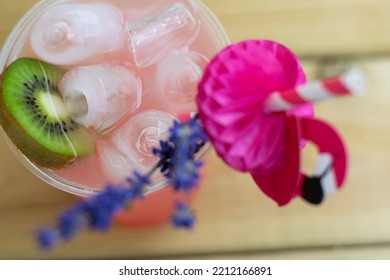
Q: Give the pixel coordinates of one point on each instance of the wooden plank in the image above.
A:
(10, 13)
(309, 27)
(370, 252)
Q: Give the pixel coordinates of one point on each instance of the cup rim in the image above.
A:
(213, 26)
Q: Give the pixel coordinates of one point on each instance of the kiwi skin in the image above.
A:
(34, 151)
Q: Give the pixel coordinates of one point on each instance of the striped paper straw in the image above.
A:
(352, 82)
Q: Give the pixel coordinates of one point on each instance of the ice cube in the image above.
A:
(155, 36)
(114, 165)
(178, 76)
(99, 96)
(69, 34)
(137, 137)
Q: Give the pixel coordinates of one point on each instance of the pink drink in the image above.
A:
(128, 69)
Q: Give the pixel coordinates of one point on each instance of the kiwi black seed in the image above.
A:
(34, 117)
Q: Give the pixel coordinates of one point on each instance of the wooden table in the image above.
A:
(235, 220)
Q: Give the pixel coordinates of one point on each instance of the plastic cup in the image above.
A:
(158, 203)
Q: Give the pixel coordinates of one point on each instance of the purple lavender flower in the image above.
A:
(100, 209)
(191, 130)
(96, 213)
(165, 153)
(183, 217)
(69, 223)
(47, 238)
(185, 175)
(187, 139)
(137, 184)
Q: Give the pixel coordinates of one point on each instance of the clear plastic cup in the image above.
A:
(88, 40)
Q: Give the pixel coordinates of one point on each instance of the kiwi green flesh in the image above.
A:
(34, 118)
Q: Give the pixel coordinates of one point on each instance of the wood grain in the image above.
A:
(310, 28)
(235, 220)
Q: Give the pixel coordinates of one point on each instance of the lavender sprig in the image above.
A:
(176, 161)
(183, 217)
(182, 169)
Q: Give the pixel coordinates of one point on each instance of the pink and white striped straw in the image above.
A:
(352, 82)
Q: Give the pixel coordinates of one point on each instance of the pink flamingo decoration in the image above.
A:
(256, 109)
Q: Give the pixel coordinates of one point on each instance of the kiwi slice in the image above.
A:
(33, 115)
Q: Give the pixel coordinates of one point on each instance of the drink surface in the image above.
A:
(124, 71)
